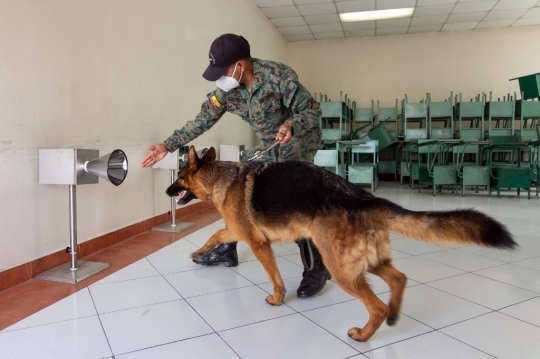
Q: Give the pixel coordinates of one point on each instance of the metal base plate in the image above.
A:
(63, 273)
(168, 227)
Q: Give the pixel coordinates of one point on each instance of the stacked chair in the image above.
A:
(482, 142)
(335, 113)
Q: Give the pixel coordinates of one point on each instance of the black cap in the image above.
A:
(225, 50)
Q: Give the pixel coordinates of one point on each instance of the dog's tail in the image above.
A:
(465, 226)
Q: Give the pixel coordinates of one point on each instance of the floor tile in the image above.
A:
(219, 224)
(205, 347)
(201, 236)
(528, 311)
(522, 227)
(515, 275)
(423, 270)
(79, 338)
(286, 249)
(238, 307)
(139, 269)
(172, 263)
(414, 247)
(132, 293)
(483, 291)
(152, 325)
(295, 258)
(462, 260)
(339, 318)
(180, 246)
(494, 334)
(199, 282)
(533, 263)
(255, 272)
(78, 305)
(291, 337)
(244, 253)
(507, 256)
(436, 308)
(428, 346)
(398, 254)
(330, 294)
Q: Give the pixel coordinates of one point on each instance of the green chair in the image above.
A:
(500, 116)
(329, 159)
(389, 118)
(535, 160)
(473, 113)
(472, 173)
(365, 171)
(508, 174)
(440, 112)
(528, 113)
(336, 112)
(414, 113)
(436, 169)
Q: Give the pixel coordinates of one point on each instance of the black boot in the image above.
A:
(224, 253)
(315, 279)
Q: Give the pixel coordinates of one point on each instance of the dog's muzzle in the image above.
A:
(183, 195)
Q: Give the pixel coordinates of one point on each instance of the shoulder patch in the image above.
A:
(214, 102)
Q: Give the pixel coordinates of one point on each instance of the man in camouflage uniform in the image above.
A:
(268, 96)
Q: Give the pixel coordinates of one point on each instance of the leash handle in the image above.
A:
(275, 146)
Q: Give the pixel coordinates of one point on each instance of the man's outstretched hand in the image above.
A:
(157, 152)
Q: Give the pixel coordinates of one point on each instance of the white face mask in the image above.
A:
(227, 83)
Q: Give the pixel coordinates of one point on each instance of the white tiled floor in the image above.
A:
(461, 302)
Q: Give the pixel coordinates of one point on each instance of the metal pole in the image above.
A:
(173, 203)
(73, 225)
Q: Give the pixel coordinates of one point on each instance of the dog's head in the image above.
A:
(187, 187)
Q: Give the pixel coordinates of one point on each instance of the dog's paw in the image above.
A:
(198, 254)
(392, 320)
(356, 334)
(270, 300)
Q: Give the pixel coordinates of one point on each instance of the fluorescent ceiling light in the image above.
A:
(376, 15)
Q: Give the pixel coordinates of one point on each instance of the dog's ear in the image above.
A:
(210, 155)
(193, 159)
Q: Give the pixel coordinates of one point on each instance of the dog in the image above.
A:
(282, 202)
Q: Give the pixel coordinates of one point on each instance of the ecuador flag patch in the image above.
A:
(214, 102)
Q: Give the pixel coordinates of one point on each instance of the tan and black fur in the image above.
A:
(282, 202)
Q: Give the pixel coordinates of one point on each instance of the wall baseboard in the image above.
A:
(22, 273)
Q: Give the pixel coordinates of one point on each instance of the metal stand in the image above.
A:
(75, 271)
(173, 226)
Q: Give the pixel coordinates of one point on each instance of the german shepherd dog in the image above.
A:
(282, 202)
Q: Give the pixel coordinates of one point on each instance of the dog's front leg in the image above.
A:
(265, 255)
(221, 236)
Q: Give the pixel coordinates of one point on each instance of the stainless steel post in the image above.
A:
(73, 225)
(173, 203)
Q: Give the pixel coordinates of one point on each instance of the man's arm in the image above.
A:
(306, 111)
(211, 111)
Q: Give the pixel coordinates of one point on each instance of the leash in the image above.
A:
(306, 244)
(275, 146)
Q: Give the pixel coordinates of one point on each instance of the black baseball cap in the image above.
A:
(225, 50)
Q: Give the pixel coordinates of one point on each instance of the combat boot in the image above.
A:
(225, 253)
(315, 279)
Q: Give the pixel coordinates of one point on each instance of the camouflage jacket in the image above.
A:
(276, 97)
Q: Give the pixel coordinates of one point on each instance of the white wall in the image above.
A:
(386, 68)
(105, 74)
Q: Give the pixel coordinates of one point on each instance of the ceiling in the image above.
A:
(304, 20)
